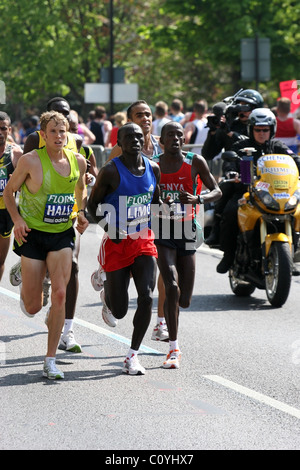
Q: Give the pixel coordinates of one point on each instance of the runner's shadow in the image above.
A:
(10, 338)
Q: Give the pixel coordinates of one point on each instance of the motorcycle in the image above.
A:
(269, 226)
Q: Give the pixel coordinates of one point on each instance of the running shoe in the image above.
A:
(15, 276)
(172, 360)
(22, 306)
(51, 371)
(160, 332)
(107, 316)
(67, 343)
(96, 280)
(46, 290)
(132, 366)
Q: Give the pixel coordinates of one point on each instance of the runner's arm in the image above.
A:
(81, 195)
(16, 180)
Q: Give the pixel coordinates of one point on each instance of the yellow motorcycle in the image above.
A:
(269, 226)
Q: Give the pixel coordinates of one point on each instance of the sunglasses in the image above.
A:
(261, 130)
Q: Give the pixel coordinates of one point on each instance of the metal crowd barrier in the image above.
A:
(102, 153)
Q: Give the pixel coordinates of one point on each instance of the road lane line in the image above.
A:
(9, 293)
(110, 334)
(2, 353)
(93, 327)
(255, 395)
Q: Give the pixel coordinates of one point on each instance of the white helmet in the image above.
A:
(262, 117)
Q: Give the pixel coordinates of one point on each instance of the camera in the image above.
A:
(228, 108)
(234, 110)
(213, 122)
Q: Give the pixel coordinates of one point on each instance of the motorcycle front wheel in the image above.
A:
(279, 276)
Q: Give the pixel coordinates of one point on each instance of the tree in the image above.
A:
(51, 47)
(209, 32)
(184, 48)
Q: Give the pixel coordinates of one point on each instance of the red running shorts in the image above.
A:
(113, 256)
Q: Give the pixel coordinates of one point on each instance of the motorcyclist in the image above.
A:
(261, 130)
(222, 137)
(224, 134)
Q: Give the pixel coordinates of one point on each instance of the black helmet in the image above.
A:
(252, 97)
(262, 117)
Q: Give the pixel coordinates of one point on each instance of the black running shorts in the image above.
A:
(6, 224)
(176, 235)
(39, 243)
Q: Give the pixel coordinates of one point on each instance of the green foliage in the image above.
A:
(51, 47)
(184, 48)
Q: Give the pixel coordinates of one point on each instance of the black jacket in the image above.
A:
(270, 146)
(218, 141)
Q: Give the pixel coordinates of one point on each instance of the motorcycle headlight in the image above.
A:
(293, 201)
(266, 198)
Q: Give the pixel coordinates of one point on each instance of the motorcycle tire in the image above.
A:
(240, 288)
(279, 277)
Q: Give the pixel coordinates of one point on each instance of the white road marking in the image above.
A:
(215, 378)
(92, 327)
(9, 293)
(255, 395)
(2, 352)
(110, 334)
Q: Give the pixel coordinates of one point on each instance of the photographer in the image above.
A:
(229, 122)
(261, 130)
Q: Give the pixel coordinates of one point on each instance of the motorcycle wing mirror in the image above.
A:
(230, 156)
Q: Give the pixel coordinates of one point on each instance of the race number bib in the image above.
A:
(177, 210)
(3, 179)
(58, 208)
(138, 209)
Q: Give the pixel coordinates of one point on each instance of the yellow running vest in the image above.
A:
(50, 209)
(70, 145)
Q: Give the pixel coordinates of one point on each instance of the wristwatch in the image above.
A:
(200, 199)
(82, 210)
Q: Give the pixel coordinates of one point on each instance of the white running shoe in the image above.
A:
(172, 360)
(46, 290)
(132, 366)
(51, 371)
(22, 306)
(160, 332)
(15, 276)
(67, 343)
(96, 280)
(107, 316)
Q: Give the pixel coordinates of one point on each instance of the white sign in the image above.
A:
(99, 92)
(2, 93)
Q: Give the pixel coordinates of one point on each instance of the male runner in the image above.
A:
(176, 236)
(125, 187)
(44, 235)
(73, 142)
(9, 156)
(140, 113)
